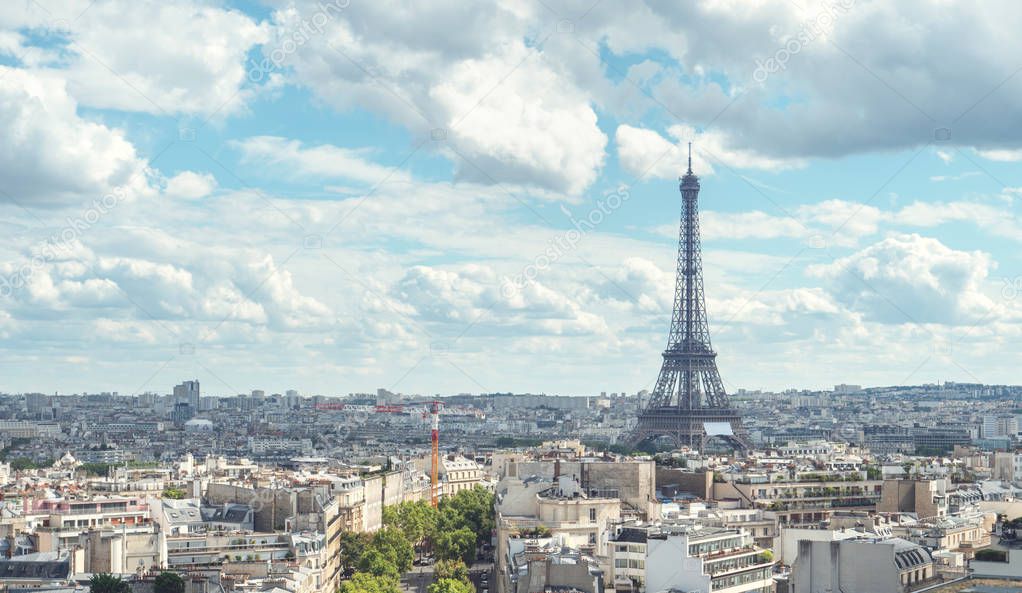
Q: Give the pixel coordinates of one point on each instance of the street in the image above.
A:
(476, 572)
(419, 578)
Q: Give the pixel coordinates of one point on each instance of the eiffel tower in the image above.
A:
(689, 404)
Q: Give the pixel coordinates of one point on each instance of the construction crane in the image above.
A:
(434, 437)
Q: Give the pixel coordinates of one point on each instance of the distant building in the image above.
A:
(939, 439)
(999, 426)
(36, 403)
(553, 402)
(188, 392)
(925, 498)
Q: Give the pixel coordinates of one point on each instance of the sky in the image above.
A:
(462, 197)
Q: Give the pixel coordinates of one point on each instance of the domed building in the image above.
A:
(68, 461)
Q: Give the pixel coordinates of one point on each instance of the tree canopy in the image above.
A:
(459, 544)
(102, 582)
(472, 509)
(169, 582)
(353, 546)
(451, 569)
(417, 520)
(391, 543)
(451, 586)
(363, 582)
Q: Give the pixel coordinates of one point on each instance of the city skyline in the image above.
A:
(338, 196)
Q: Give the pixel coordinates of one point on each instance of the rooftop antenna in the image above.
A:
(689, 158)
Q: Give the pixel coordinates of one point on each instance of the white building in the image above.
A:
(458, 473)
(691, 558)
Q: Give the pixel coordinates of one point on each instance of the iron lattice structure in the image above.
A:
(689, 391)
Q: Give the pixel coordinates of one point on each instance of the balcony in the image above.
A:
(754, 563)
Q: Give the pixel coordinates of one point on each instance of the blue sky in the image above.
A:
(335, 197)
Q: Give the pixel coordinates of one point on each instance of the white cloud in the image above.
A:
(324, 161)
(911, 279)
(506, 107)
(1006, 156)
(157, 57)
(748, 225)
(49, 155)
(190, 185)
(966, 175)
(646, 152)
(535, 129)
(474, 296)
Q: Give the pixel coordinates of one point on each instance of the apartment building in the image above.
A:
(925, 498)
(535, 508)
(691, 558)
(61, 521)
(544, 564)
(632, 481)
(866, 565)
(457, 473)
(804, 498)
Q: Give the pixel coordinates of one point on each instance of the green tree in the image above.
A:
(417, 520)
(102, 582)
(377, 563)
(471, 508)
(455, 545)
(391, 542)
(451, 569)
(353, 545)
(95, 469)
(363, 582)
(451, 586)
(23, 463)
(169, 582)
(174, 493)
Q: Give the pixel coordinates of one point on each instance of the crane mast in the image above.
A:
(434, 413)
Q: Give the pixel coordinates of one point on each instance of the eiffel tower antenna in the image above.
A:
(689, 403)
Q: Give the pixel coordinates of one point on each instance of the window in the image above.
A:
(592, 515)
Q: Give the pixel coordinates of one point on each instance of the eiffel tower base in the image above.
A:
(686, 428)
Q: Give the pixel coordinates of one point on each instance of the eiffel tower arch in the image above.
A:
(689, 404)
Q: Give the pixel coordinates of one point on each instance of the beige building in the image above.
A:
(537, 508)
(457, 473)
(925, 498)
(805, 500)
(632, 481)
(61, 522)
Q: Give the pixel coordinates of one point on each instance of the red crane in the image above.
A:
(434, 437)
